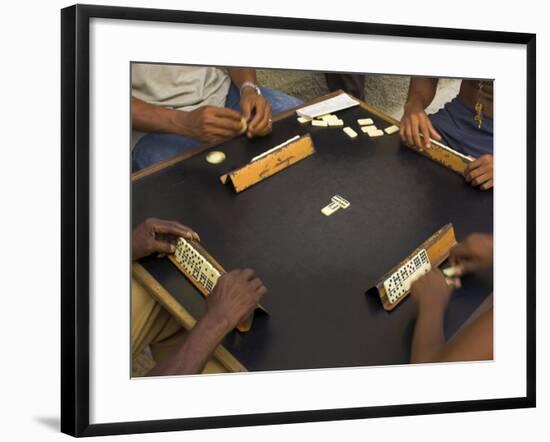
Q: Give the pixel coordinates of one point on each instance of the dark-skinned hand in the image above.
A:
(479, 173)
(414, 122)
(209, 124)
(432, 291)
(473, 254)
(235, 296)
(158, 236)
(257, 112)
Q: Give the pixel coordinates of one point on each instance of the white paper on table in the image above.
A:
(334, 104)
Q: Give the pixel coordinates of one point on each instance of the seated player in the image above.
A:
(177, 352)
(353, 84)
(182, 107)
(464, 124)
(432, 293)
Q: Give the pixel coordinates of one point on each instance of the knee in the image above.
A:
(154, 148)
(144, 153)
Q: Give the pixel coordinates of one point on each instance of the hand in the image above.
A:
(254, 104)
(413, 123)
(432, 291)
(473, 254)
(209, 124)
(480, 172)
(235, 296)
(157, 236)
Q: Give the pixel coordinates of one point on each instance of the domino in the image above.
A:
(372, 131)
(328, 118)
(399, 283)
(391, 129)
(450, 272)
(375, 133)
(303, 120)
(337, 203)
(330, 209)
(319, 123)
(350, 132)
(365, 121)
(343, 203)
(244, 126)
(336, 123)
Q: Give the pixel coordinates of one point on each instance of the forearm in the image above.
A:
(239, 76)
(199, 345)
(150, 118)
(421, 92)
(473, 343)
(428, 338)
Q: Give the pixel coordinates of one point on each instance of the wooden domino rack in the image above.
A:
(437, 247)
(270, 163)
(439, 153)
(203, 271)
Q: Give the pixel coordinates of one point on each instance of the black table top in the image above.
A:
(317, 268)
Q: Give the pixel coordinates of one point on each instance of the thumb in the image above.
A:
(433, 132)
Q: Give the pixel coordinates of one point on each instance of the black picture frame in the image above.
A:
(75, 212)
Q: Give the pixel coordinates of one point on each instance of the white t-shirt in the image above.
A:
(179, 87)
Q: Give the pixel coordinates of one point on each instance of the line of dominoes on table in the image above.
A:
(367, 125)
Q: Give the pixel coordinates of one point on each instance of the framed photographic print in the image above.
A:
(319, 227)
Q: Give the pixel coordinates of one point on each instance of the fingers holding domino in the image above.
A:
(452, 277)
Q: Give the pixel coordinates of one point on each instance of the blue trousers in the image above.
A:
(456, 125)
(156, 147)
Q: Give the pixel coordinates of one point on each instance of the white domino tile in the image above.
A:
(391, 129)
(350, 132)
(400, 281)
(330, 209)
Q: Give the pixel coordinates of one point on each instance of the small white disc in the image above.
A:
(215, 157)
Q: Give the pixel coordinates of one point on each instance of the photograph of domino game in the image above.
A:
(290, 220)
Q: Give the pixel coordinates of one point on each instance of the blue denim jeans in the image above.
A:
(456, 125)
(156, 147)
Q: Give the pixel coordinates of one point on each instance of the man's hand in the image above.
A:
(431, 291)
(480, 172)
(254, 104)
(235, 296)
(413, 123)
(473, 254)
(209, 124)
(157, 236)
